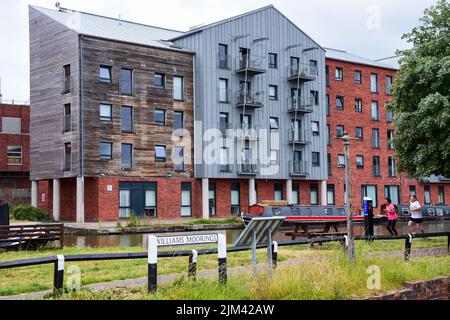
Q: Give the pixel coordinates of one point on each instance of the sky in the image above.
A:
(370, 28)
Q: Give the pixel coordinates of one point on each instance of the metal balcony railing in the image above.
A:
(250, 99)
(248, 168)
(299, 136)
(245, 133)
(302, 72)
(300, 104)
(67, 123)
(224, 62)
(251, 64)
(299, 168)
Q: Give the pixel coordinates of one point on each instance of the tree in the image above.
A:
(421, 97)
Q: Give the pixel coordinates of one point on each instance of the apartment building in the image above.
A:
(358, 90)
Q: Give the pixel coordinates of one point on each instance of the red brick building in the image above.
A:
(14, 152)
(358, 90)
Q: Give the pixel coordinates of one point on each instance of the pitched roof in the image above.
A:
(349, 57)
(111, 28)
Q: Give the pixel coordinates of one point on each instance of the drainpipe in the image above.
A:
(80, 178)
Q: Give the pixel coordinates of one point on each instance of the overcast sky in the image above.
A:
(371, 28)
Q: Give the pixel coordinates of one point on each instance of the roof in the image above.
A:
(111, 28)
(349, 57)
(393, 61)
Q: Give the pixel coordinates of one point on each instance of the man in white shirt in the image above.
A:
(416, 215)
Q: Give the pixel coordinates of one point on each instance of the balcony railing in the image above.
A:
(299, 136)
(252, 65)
(67, 123)
(302, 72)
(250, 99)
(299, 168)
(248, 169)
(224, 62)
(300, 104)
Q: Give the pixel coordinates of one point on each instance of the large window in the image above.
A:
(178, 120)
(11, 125)
(126, 82)
(67, 81)
(360, 162)
(427, 194)
(392, 192)
(315, 127)
(223, 56)
(278, 194)
(376, 167)
(14, 155)
(273, 60)
(160, 117)
(390, 138)
(316, 159)
(375, 138)
(388, 85)
(358, 105)
(235, 199)
(106, 150)
(186, 199)
(124, 204)
(106, 112)
(359, 133)
(178, 88)
(341, 161)
(137, 198)
(67, 165)
(340, 130)
(389, 116)
(314, 194)
(273, 92)
(160, 154)
(127, 119)
(212, 200)
(374, 83)
(391, 167)
(126, 156)
(160, 80)
(441, 191)
(358, 77)
(274, 124)
(331, 200)
(369, 191)
(223, 91)
(105, 74)
(339, 74)
(340, 103)
(375, 111)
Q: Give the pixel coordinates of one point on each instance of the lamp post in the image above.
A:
(348, 201)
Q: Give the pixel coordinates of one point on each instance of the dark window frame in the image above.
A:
(123, 81)
(163, 76)
(106, 156)
(109, 69)
(164, 112)
(161, 159)
(273, 64)
(315, 162)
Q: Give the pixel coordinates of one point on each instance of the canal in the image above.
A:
(137, 240)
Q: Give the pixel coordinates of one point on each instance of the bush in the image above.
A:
(29, 213)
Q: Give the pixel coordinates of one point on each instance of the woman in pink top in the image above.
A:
(392, 217)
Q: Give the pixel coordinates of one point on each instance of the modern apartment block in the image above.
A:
(358, 90)
(14, 152)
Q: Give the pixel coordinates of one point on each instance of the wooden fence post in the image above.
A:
(152, 264)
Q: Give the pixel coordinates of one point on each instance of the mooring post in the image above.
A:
(408, 245)
(222, 253)
(193, 265)
(274, 254)
(58, 278)
(152, 264)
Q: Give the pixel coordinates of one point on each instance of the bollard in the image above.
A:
(58, 278)
(274, 254)
(193, 265)
(408, 244)
(152, 264)
(222, 251)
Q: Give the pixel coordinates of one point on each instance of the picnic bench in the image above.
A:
(307, 232)
(30, 237)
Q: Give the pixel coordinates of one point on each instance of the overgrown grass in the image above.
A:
(325, 278)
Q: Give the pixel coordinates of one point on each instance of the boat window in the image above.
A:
(431, 212)
(440, 212)
(308, 212)
(341, 212)
(276, 212)
(295, 211)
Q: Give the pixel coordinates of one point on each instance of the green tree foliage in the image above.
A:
(421, 97)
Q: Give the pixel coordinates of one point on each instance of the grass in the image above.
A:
(325, 278)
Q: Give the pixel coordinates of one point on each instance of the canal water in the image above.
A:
(139, 240)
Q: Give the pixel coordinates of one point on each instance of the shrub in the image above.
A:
(29, 213)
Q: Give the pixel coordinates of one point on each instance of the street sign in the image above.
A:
(187, 239)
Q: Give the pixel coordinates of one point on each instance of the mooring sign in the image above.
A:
(190, 239)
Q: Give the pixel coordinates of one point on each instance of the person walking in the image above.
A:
(391, 212)
(416, 215)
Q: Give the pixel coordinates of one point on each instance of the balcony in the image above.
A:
(301, 73)
(299, 136)
(299, 105)
(298, 168)
(248, 169)
(67, 123)
(254, 65)
(224, 62)
(252, 100)
(251, 134)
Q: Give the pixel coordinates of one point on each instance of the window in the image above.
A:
(390, 138)
(313, 67)
(126, 156)
(106, 151)
(340, 130)
(178, 159)
(295, 193)
(274, 124)
(160, 80)
(374, 111)
(374, 83)
(412, 191)
(67, 79)
(124, 204)
(150, 201)
(340, 103)
(126, 82)
(127, 119)
(328, 135)
(358, 105)
(390, 116)
(369, 191)
(427, 194)
(376, 167)
(246, 121)
(391, 167)
(14, 155)
(316, 159)
(212, 200)
(359, 133)
(186, 199)
(178, 88)
(331, 195)
(223, 56)
(273, 61)
(223, 91)
(67, 165)
(278, 195)
(393, 193)
(67, 121)
(360, 162)
(315, 128)
(160, 154)
(235, 199)
(105, 74)
(341, 161)
(315, 97)
(339, 74)
(375, 138)
(274, 157)
(388, 85)
(441, 191)
(178, 120)
(273, 92)
(327, 75)
(358, 77)
(314, 194)
(106, 112)
(330, 167)
(160, 117)
(223, 123)
(11, 125)
(224, 165)
(328, 107)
